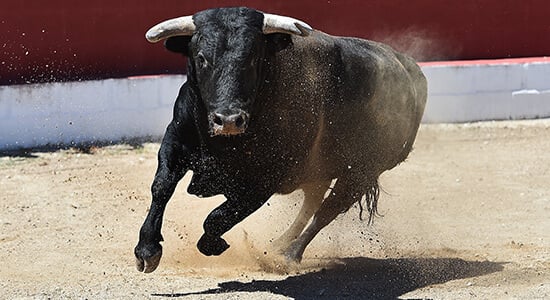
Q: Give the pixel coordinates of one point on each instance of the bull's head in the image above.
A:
(226, 49)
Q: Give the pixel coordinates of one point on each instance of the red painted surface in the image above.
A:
(66, 40)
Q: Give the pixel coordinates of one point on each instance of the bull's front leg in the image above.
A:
(224, 217)
(172, 165)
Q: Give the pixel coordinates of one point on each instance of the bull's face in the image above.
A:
(227, 64)
(226, 50)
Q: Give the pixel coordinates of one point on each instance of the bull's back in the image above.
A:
(372, 106)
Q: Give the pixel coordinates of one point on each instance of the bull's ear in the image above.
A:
(178, 44)
(278, 41)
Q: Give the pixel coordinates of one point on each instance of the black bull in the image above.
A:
(270, 106)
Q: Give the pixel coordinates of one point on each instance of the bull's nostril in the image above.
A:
(223, 124)
(218, 120)
(239, 122)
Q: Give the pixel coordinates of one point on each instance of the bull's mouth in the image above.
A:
(217, 130)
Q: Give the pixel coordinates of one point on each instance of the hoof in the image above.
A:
(148, 257)
(277, 262)
(212, 245)
(293, 254)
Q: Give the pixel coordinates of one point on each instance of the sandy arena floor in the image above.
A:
(466, 216)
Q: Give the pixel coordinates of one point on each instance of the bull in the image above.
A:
(270, 106)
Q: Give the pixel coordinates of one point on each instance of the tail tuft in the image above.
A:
(371, 202)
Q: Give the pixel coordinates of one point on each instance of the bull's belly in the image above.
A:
(359, 152)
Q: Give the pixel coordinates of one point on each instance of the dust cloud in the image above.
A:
(251, 241)
(421, 44)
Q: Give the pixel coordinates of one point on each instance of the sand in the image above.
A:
(467, 215)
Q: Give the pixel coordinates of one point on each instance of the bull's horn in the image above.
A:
(169, 28)
(282, 24)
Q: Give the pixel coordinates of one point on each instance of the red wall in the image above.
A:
(70, 40)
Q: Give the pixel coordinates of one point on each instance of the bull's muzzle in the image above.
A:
(234, 124)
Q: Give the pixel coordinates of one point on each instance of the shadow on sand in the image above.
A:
(362, 278)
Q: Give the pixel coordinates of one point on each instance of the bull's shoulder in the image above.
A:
(183, 125)
(183, 106)
(373, 53)
(354, 55)
(380, 59)
(319, 40)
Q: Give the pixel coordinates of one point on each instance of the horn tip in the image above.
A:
(152, 35)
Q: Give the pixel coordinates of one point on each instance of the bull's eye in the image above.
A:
(201, 61)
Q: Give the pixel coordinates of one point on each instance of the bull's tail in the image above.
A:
(371, 201)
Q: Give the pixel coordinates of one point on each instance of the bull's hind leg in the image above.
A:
(313, 196)
(340, 199)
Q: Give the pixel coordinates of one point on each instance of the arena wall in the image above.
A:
(110, 110)
(479, 90)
